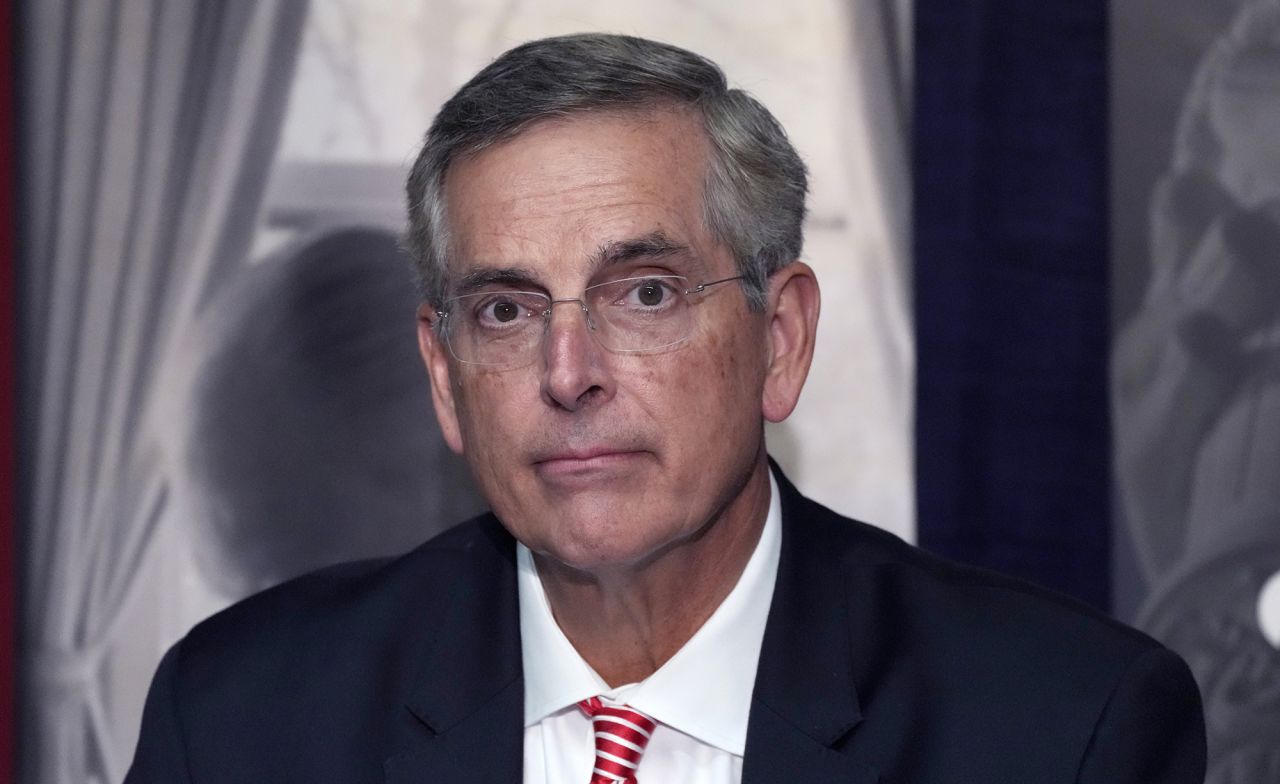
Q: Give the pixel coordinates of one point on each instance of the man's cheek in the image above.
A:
(491, 435)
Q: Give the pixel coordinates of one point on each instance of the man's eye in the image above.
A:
(505, 310)
(649, 293)
(499, 310)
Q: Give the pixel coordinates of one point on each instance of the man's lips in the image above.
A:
(572, 461)
(585, 455)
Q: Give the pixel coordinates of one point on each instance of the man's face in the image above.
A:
(600, 459)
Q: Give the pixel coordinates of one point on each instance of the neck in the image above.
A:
(627, 622)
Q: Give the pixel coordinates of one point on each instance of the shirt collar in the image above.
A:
(704, 690)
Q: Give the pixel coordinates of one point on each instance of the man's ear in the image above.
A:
(435, 354)
(794, 302)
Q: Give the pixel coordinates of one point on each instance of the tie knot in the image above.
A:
(621, 734)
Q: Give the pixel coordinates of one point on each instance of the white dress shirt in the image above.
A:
(700, 697)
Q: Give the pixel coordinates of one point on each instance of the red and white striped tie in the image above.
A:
(621, 735)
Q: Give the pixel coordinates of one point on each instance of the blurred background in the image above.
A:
(1048, 238)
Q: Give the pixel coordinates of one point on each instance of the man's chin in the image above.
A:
(597, 546)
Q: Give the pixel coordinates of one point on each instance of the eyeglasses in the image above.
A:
(503, 330)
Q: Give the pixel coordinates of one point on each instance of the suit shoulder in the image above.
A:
(968, 604)
(935, 643)
(312, 679)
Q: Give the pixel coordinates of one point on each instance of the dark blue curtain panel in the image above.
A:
(1011, 295)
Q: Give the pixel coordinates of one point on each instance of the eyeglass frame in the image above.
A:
(442, 315)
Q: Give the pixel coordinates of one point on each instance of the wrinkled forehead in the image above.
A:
(574, 195)
(652, 253)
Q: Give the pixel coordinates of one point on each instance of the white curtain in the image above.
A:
(849, 443)
(147, 128)
(880, 101)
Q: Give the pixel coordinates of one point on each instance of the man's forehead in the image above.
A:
(580, 194)
(651, 249)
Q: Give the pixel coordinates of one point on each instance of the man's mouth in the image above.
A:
(587, 461)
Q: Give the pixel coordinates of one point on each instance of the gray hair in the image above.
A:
(755, 184)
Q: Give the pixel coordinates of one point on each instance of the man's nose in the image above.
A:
(575, 370)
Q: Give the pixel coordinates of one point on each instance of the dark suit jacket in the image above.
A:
(880, 663)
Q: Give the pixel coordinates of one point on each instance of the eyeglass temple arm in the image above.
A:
(702, 286)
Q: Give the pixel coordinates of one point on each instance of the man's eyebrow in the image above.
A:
(654, 245)
(477, 279)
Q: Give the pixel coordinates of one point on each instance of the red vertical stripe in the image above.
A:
(8, 380)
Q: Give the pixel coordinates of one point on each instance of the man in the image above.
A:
(608, 240)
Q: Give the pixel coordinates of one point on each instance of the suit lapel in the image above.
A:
(467, 700)
(778, 750)
(486, 746)
(805, 701)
